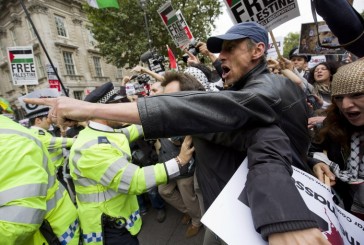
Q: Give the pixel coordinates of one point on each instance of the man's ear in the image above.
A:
(258, 51)
(36, 121)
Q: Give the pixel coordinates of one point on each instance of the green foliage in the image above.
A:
(290, 41)
(122, 34)
(362, 14)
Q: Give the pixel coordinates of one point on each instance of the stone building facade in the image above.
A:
(63, 28)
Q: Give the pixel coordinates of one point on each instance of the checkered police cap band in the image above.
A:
(108, 96)
(349, 79)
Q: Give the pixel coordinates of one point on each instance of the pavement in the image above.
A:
(170, 232)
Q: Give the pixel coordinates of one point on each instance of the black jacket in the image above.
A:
(256, 115)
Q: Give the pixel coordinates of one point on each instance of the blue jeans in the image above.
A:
(154, 197)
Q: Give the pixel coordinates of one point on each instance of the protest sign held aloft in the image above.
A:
(309, 43)
(176, 25)
(270, 14)
(22, 65)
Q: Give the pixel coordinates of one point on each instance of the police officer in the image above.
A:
(23, 185)
(39, 125)
(107, 182)
(60, 224)
(300, 62)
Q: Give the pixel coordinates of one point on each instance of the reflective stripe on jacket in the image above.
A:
(106, 181)
(23, 185)
(61, 212)
(53, 144)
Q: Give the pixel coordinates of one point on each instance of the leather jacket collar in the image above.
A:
(259, 69)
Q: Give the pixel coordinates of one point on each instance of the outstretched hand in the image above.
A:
(64, 111)
(138, 69)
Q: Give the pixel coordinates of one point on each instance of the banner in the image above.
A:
(270, 14)
(308, 40)
(176, 27)
(52, 78)
(22, 65)
(231, 220)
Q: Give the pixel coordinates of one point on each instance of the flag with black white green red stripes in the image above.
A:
(173, 25)
(22, 65)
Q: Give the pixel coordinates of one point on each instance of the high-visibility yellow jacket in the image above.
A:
(61, 212)
(53, 144)
(107, 182)
(23, 183)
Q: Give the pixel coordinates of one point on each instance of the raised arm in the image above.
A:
(67, 111)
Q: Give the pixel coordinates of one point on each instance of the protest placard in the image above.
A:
(315, 60)
(271, 51)
(184, 25)
(230, 218)
(270, 14)
(175, 27)
(52, 78)
(40, 93)
(309, 43)
(22, 65)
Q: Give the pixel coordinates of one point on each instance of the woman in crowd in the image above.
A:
(342, 138)
(320, 77)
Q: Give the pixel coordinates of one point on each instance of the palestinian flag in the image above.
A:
(232, 2)
(21, 56)
(101, 4)
(172, 60)
(168, 15)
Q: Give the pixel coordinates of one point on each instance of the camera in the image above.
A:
(152, 56)
(142, 78)
(157, 58)
(312, 100)
(154, 60)
(192, 47)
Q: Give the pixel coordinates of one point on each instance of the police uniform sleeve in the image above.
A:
(110, 167)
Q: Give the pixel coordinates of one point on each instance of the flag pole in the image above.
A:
(41, 43)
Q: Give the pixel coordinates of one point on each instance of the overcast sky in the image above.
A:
(224, 22)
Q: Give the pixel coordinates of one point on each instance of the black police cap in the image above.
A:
(104, 94)
(294, 53)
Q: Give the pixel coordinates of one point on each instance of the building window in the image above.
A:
(68, 62)
(31, 30)
(39, 65)
(61, 27)
(13, 37)
(119, 73)
(97, 64)
(91, 39)
(78, 95)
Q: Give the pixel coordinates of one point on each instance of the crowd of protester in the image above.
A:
(89, 183)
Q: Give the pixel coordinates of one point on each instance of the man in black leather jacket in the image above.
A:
(262, 116)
